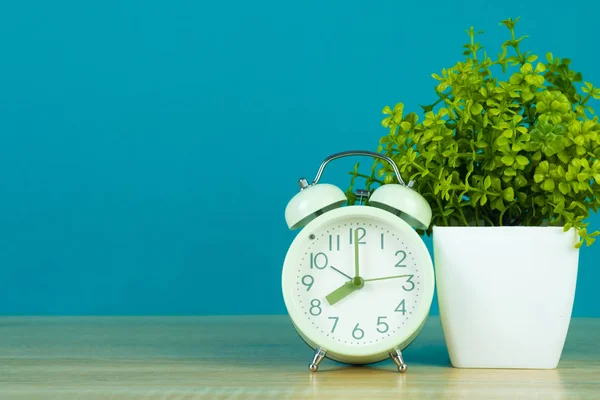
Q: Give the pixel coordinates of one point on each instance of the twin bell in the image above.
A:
(317, 198)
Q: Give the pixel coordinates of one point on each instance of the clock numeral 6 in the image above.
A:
(315, 307)
(399, 263)
(318, 260)
(381, 323)
(358, 333)
(412, 284)
(308, 280)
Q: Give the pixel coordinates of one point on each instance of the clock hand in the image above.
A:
(340, 293)
(387, 277)
(356, 274)
(344, 290)
(337, 270)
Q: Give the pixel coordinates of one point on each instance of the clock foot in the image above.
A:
(317, 358)
(396, 355)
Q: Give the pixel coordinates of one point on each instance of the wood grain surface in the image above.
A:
(255, 357)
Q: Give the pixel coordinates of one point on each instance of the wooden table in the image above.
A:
(257, 357)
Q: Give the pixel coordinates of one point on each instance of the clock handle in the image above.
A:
(357, 153)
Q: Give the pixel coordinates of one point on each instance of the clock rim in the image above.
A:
(353, 354)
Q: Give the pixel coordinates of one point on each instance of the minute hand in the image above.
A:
(356, 266)
(388, 277)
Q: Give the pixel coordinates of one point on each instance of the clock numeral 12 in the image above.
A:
(361, 232)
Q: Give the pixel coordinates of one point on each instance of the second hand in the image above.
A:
(388, 277)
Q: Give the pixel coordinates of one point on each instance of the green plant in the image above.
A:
(523, 151)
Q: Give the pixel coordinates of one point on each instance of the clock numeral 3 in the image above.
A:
(358, 333)
(315, 307)
(381, 323)
(399, 263)
(401, 307)
(412, 284)
(310, 282)
(318, 260)
(334, 323)
(361, 232)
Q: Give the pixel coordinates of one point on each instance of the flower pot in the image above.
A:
(505, 294)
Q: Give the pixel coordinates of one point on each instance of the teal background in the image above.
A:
(149, 148)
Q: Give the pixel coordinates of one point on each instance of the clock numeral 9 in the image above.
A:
(380, 323)
(399, 263)
(315, 307)
(318, 260)
(308, 282)
(361, 232)
(358, 333)
(401, 307)
(412, 284)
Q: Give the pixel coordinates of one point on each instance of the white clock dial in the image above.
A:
(365, 309)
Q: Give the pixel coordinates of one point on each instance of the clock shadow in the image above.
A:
(425, 354)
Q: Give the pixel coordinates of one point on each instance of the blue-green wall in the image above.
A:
(148, 148)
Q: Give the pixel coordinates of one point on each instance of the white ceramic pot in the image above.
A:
(505, 294)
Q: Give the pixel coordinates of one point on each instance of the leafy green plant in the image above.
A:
(523, 151)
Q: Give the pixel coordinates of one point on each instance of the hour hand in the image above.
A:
(341, 292)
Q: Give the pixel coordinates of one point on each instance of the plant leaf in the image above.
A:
(522, 160)
(508, 194)
(508, 160)
(447, 212)
(564, 188)
(548, 184)
(559, 207)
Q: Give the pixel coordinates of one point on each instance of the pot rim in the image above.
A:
(440, 227)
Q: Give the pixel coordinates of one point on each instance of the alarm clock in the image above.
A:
(357, 280)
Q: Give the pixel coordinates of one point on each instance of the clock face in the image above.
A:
(358, 281)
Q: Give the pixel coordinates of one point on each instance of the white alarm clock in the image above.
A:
(358, 280)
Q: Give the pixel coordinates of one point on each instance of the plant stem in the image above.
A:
(586, 98)
(488, 219)
(366, 177)
(437, 200)
(414, 164)
(462, 214)
(516, 46)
